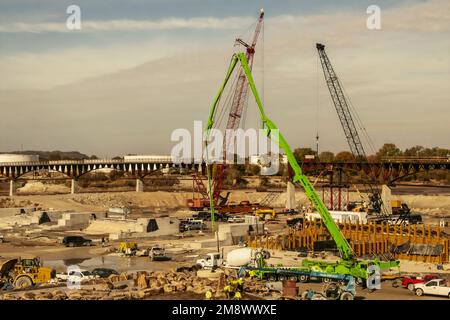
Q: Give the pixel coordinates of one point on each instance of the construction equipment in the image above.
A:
(337, 286)
(237, 258)
(212, 260)
(348, 264)
(376, 206)
(236, 208)
(333, 291)
(127, 248)
(350, 130)
(239, 100)
(265, 214)
(158, 253)
(24, 273)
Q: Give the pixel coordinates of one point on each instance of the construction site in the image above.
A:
(167, 228)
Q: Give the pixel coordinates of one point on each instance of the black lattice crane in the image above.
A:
(350, 130)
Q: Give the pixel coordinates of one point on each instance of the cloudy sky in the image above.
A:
(139, 69)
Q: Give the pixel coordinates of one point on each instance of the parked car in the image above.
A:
(76, 241)
(290, 211)
(157, 253)
(435, 287)
(409, 282)
(76, 276)
(191, 224)
(206, 216)
(236, 219)
(104, 272)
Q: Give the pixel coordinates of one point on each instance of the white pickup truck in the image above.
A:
(435, 287)
(76, 276)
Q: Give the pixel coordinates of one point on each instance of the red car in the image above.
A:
(409, 282)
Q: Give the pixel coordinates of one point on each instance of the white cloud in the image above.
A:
(396, 75)
(133, 25)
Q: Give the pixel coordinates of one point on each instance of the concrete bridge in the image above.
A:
(74, 169)
(388, 169)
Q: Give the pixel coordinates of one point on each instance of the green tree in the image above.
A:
(300, 154)
(389, 150)
(344, 156)
(326, 156)
(54, 156)
(415, 151)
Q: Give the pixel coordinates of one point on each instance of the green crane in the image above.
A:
(348, 263)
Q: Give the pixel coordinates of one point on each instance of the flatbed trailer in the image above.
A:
(293, 273)
(346, 281)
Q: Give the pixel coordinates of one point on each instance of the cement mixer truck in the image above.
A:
(236, 258)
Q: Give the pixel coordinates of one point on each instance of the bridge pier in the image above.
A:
(73, 186)
(290, 196)
(139, 185)
(12, 188)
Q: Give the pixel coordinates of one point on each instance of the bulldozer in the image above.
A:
(24, 273)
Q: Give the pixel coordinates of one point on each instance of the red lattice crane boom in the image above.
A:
(238, 103)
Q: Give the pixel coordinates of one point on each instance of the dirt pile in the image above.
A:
(39, 187)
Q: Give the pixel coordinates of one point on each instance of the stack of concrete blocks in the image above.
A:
(5, 212)
(138, 228)
(26, 210)
(10, 217)
(36, 217)
(119, 213)
(75, 219)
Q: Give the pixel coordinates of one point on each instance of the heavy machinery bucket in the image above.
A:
(6, 265)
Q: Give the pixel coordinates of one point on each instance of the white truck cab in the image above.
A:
(211, 260)
(435, 287)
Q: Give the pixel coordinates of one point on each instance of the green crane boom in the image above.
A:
(269, 126)
(341, 243)
(348, 264)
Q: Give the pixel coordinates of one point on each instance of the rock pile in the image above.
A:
(14, 203)
(103, 200)
(140, 285)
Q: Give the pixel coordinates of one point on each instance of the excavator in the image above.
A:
(348, 263)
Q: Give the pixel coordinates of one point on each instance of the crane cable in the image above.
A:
(317, 105)
(359, 122)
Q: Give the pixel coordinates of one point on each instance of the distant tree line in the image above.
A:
(387, 150)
